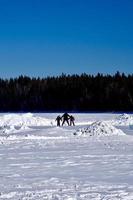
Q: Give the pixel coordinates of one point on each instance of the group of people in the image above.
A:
(65, 118)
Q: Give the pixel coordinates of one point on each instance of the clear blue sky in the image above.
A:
(48, 37)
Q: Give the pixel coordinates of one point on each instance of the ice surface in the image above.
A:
(50, 163)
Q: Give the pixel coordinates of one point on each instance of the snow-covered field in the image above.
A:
(92, 160)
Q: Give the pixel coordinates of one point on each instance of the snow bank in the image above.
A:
(14, 123)
(23, 120)
(99, 128)
(12, 129)
(123, 120)
(7, 130)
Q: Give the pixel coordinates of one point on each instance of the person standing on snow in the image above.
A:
(58, 119)
(65, 118)
(72, 119)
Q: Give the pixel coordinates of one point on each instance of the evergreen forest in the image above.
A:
(75, 93)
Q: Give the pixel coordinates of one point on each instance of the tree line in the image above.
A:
(67, 93)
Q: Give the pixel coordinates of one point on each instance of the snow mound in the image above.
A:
(123, 120)
(7, 130)
(99, 128)
(23, 120)
(12, 129)
(123, 116)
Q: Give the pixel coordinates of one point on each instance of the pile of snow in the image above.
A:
(12, 129)
(23, 120)
(123, 120)
(7, 129)
(99, 128)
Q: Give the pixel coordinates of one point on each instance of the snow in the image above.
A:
(99, 128)
(27, 119)
(123, 120)
(39, 161)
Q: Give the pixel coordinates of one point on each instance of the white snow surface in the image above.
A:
(44, 162)
(23, 120)
(99, 128)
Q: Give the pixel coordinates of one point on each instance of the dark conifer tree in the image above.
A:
(72, 93)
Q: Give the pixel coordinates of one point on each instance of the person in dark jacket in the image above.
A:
(65, 118)
(72, 119)
(58, 119)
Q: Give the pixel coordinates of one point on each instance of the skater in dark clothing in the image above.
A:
(58, 119)
(72, 119)
(65, 118)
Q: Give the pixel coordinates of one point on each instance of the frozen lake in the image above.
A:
(41, 161)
